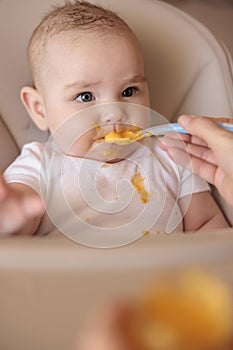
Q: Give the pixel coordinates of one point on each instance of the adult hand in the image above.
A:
(210, 149)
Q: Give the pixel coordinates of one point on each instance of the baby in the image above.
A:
(88, 80)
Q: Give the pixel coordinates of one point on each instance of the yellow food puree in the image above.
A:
(124, 137)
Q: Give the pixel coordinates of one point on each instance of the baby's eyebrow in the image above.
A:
(136, 79)
(81, 84)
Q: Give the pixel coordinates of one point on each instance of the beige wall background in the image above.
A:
(217, 15)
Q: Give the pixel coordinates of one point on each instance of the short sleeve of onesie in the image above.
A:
(191, 183)
(180, 179)
(26, 168)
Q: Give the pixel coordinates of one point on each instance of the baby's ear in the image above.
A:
(33, 103)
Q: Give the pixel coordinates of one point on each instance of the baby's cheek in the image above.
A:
(141, 117)
(83, 143)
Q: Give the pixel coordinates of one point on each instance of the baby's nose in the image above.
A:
(113, 113)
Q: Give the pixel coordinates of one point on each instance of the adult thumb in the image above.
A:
(206, 129)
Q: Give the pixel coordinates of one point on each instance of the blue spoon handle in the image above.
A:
(226, 126)
(175, 127)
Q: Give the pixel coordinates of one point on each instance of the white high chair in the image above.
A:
(49, 284)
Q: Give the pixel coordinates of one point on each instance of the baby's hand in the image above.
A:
(21, 209)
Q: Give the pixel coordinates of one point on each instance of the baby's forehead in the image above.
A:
(66, 45)
(75, 39)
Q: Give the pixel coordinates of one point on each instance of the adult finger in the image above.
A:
(206, 129)
(197, 165)
(184, 137)
(172, 146)
(220, 119)
(201, 152)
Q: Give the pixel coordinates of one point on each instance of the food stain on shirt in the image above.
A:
(104, 165)
(96, 126)
(111, 153)
(138, 183)
(145, 232)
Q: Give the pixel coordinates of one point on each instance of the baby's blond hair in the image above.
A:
(72, 16)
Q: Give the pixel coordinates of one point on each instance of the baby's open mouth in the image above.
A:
(123, 137)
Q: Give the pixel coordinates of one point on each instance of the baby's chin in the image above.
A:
(110, 153)
(102, 151)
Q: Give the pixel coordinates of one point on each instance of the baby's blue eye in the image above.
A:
(85, 97)
(130, 91)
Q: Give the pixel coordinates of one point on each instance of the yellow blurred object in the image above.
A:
(138, 183)
(124, 137)
(190, 312)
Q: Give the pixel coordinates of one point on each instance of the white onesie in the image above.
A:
(90, 201)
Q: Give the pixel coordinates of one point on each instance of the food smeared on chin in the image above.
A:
(96, 126)
(192, 310)
(112, 154)
(138, 183)
(123, 137)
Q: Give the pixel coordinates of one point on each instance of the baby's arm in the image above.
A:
(21, 209)
(202, 214)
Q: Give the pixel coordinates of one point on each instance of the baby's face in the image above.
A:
(91, 70)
